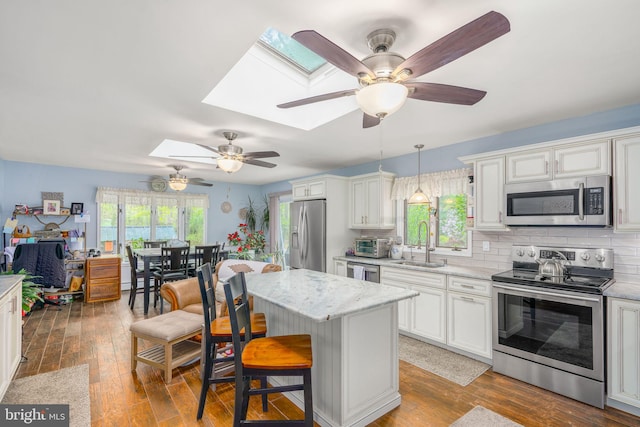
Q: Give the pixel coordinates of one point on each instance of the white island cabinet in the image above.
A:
(10, 328)
(354, 331)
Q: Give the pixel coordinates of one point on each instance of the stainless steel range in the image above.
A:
(548, 319)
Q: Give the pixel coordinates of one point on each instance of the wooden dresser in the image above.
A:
(102, 278)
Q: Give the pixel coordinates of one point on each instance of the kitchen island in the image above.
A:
(354, 330)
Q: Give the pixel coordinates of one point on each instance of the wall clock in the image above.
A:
(158, 184)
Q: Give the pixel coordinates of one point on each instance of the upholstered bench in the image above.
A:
(170, 333)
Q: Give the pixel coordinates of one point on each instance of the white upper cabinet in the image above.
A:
(626, 179)
(489, 184)
(312, 189)
(563, 161)
(370, 204)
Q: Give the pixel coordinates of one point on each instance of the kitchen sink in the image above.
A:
(423, 264)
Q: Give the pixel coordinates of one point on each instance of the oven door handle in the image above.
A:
(545, 293)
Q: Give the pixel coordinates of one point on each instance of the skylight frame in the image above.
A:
(292, 62)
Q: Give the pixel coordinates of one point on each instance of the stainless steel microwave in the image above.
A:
(371, 247)
(584, 201)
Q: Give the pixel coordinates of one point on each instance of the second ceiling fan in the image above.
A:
(230, 158)
(385, 77)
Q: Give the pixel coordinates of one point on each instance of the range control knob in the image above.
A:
(585, 256)
(531, 253)
(519, 252)
(599, 257)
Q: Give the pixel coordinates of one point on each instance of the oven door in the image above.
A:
(564, 330)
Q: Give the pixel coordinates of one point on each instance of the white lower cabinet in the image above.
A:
(450, 310)
(428, 314)
(340, 268)
(10, 335)
(424, 315)
(624, 351)
(469, 322)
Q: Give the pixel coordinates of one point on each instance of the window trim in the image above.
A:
(184, 201)
(439, 251)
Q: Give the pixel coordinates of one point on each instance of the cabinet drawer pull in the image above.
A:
(467, 286)
(467, 299)
(619, 216)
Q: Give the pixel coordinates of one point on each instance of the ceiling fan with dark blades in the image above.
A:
(386, 78)
(176, 181)
(230, 158)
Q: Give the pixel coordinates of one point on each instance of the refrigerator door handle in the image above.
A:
(302, 233)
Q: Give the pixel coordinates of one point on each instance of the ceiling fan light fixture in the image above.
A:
(177, 181)
(382, 99)
(419, 198)
(229, 165)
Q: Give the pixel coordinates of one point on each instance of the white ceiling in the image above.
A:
(101, 83)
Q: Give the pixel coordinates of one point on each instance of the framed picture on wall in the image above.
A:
(51, 207)
(76, 208)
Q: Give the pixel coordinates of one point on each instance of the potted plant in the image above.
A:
(30, 291)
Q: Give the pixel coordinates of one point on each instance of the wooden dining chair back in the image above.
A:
(174, 265)
(284, 355)
(136, 275)
(154, 243)
(204, 254)
(216, 332)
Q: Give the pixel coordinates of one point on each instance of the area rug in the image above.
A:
(447, 364)
(66, 386)
(482, 417)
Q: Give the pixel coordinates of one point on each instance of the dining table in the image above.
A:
(148, 256)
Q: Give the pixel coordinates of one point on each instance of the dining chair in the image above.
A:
(281, 355)
(216, 336)
(136, 275)
(204, 254)
(174, 265)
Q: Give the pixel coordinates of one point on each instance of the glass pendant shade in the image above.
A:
(419, 198)
(382, 99)
(229, 165)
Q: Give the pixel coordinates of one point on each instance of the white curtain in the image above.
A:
(146, 198)
(434, 184)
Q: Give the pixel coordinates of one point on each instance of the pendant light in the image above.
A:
(419, 198)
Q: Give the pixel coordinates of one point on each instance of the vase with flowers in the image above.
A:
(249, 244)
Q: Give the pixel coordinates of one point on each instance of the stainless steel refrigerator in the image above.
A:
(308, 235)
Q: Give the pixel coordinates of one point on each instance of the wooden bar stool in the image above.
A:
(218, 331)
(285, 355)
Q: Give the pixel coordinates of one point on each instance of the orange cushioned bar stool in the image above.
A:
(285, 355)
(217, 331)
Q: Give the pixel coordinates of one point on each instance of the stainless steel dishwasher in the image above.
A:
(370, 273)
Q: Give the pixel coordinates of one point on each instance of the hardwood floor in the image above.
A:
(98, 334)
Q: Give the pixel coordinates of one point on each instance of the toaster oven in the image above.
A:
(371, 247)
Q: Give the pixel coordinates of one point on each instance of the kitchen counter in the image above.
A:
(7, 282)
(625, 290)
(354, 332)
(456, 270)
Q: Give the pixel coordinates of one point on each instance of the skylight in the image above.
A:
(266, 76)
(291, 51)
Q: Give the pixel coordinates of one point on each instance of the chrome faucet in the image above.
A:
(426, 238)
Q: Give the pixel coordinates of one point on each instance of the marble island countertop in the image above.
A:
(7, 282)
(322, 296)
(456, 270)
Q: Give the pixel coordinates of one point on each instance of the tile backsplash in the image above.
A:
(626, 246)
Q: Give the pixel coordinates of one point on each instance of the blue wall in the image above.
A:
(23, 182)
(446, 158)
